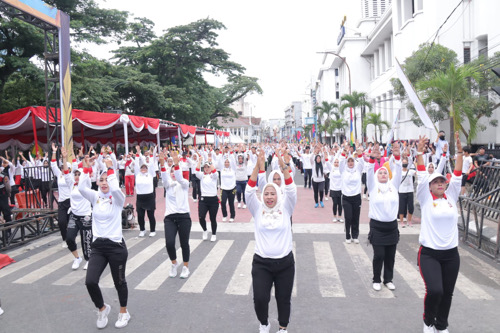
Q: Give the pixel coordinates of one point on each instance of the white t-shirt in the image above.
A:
(466, 164)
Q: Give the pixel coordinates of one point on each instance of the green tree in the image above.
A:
(375, 119)
(339, 124)
(453, 88)
(325, 110)
(355, 100)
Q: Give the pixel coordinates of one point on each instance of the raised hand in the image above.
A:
(64, 153)
(54, 147)
(175, 157)
(421, 143)
(458, 143)
(396, 149)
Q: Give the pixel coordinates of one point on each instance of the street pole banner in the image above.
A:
(412, 95)
(352, 130)
(65, 85)
(390, 135)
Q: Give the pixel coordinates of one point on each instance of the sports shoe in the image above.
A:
(316, 206)
(355, 240)
(195, 200)
(404, 219)
(86, 265)
(443, 331)
(244, 206)
(341, 221)
(264, 328)
(224, 219)
(322, 204)
(1, 312)
(102, 316)
(213, 238)
(76, 263)
(184, 273)
(390, 286)
(428, 329)
(231, 220)
(348, 241)
(326, 198)
(142, 233)
(205, 235)
(123, 319)
(364, 196)
(239, 204)
(64, 245)
(334, 220)
(376, 286)
(282, 331)
(152, 234)
(173, 270)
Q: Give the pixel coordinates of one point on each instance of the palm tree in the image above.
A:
(325, 108)
(451, 87)
(337, 124)
(307, 131)
(375, 119)
(355, 100)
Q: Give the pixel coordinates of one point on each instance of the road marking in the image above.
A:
(410, 274)
(328, 275)
(30, 260)
(32, 245)
(241, 281)
(204, 272)
(363, 266)
(132, 264)
(482, 267)
(46, 270)
(471, 290)
(75, 276)
(154, 280)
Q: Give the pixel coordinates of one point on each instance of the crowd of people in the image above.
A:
(92, 189)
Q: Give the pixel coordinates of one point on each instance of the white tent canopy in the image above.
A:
(235, 139)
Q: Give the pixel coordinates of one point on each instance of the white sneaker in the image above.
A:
(142, 233)
(326, 198)
(348, 241)
(355, 240)
(239, 204)
(224, 219)
(404, 219)
(205, 235)
(341, 221)
(76, 263)
(376, 286)
(334, 220)
(102, 316)
(231, 220)
(152, 234)
(64, 245)
(390, 286)
(443, 331)
(282, 331)
(123, 319)
(245, 206)
(364, 196)
(213, 238)
(1, 312)
(86, 265)
(264, 328)
(429, 329)
(195, 200)
(173, 270)
(184, 273)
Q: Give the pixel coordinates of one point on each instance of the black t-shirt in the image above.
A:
(481, 159)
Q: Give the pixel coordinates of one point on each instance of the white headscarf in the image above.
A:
(272, 217)
(432, 165)
(383, 187)
(353, 169)
(271, 177)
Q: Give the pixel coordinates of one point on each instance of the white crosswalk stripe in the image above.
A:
(203, 273)
(46, 270)
(241, 281)
(410, 274)
(328, 275)
(154, 280)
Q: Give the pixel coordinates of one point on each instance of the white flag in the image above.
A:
(390, 135)
(412, 95)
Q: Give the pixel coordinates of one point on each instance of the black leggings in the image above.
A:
(439, 270)
(195, 182)
(318, 187)
(363, 181)
(210, 205)
(63, 216)
(406, 203)
(337, 202)
(352, 209)
(106, 251)
(383, 255)
(177, 223)
(151, 217)
(265, 272)
(82, 224)
(228, 195)
(327, 184)
(308, 175)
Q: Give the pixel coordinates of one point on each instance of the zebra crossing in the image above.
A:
(336, 264)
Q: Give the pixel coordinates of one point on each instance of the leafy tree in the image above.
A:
(325, 110)
(375, 119)
(339, 124)
(355, 100)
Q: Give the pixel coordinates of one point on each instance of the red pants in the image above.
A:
(129, 184)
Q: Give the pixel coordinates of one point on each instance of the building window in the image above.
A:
(466, 55)
(336, 72)
(337, 94)
(375, 9)
(482, 46)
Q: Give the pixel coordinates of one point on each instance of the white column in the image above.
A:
(388, 55)
(375, 64)
(381, 57)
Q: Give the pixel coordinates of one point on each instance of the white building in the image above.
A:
(383, 31)
(293, 120)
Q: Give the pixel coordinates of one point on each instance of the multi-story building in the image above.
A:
(247, 128)
(293, 120)
(386, 31)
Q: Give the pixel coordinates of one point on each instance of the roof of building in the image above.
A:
(238, 122)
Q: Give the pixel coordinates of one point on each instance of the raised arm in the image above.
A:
(114, 186)
(84, 184)
(396, 166)
(423, 192)
(454, 186)
(53, 161)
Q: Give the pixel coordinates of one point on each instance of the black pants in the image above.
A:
(195, 182)
(439, 270)
(4, 206)
(337, 202)
(122, 176)
(106, 251)
(82, 224)
(308, 176)
(180, 223)
(383, 255)
(63, 216)
(151, 216)
(44, 191)
(210, 205)
(406, 203)
(318, 188)
(228, 195)
(265, 272)
(363, 181)
(352, 209)
(241, 185)
(13, 191)
(327, 184)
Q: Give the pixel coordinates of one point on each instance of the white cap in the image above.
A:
(436, 175)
